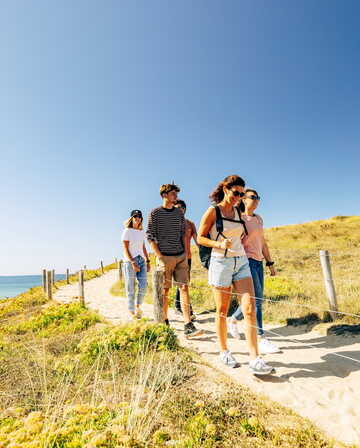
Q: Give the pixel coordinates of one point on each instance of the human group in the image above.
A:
(231, 246)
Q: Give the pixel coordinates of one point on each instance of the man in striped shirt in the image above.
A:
(165, 233)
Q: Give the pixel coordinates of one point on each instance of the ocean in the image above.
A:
(12, 285)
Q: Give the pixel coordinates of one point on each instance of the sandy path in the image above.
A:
(310, 380)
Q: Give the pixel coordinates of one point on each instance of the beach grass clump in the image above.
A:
(64, 318)
(133, 337)
(127, 386)
(28, 300)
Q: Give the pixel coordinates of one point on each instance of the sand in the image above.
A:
(309, 379)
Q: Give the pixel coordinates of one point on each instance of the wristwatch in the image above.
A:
(270, 263)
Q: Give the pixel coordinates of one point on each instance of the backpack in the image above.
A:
(204, 251)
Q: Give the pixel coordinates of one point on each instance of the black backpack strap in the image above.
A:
(219, 225)
(241, 220)
(219, 221)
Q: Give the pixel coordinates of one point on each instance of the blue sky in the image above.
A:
(103, 101)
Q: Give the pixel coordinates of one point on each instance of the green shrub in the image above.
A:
(58, 318)
(132, 337)
(279, 288)
(22, 302)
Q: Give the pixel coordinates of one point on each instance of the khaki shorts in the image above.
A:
(174, 267)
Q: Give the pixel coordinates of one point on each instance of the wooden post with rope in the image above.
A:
(81, 288)
(44, 280)
(49, 285)
(102, 267)
(329, 282)
(158, 294)
(67, 276)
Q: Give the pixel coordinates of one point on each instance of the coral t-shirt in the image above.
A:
(254, 241)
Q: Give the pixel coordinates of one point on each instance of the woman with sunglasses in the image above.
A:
(136, 262)
(229, 267)
(256, 250)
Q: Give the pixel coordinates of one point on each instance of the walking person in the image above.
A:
(190, 233)
(136, 262)
(166, 235)
(256, 250)
(229, 267)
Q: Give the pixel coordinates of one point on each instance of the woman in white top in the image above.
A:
(136, 262)
(229, 267)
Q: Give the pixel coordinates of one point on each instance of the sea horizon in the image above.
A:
(13, 285)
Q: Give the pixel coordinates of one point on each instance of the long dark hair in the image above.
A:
(230, 181)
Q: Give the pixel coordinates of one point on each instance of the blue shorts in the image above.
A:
(223, 272)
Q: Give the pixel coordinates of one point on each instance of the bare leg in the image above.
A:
(222, 300)
(245, 287)
(185, 302)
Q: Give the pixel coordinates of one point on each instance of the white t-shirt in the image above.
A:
(136, 240)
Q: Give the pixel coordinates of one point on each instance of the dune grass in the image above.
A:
(68, 379)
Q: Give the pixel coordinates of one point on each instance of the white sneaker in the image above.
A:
(232, 325)
(267, 347)
(259, 367)
(228, 359)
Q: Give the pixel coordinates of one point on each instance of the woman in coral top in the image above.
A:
(256, 250)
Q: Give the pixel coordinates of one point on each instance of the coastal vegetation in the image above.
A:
(69, 379)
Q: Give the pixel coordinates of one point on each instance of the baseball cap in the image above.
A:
(136, 213)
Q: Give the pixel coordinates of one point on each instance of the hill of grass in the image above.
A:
(70, 380)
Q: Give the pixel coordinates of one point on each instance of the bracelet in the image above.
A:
(270, 263)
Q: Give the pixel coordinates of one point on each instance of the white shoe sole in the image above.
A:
(272, 371)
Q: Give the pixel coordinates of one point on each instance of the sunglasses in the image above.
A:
(254, 197)
(236, 193)
(137, 216)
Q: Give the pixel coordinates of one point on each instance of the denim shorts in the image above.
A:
(223, 271)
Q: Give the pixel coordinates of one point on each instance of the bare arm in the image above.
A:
(129, 256)
(194, 235)
(267, 256)
(207, 221)
(127, 250)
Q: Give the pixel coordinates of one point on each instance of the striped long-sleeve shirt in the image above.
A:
(166, 227)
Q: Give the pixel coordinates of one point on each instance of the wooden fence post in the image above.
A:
(120, 265)
(329, 283)
(67, 276)
(81, 288)
(102, 267)
(116, 260)
(44, 280)
(49, 285)
(53, 277)
(158, 294)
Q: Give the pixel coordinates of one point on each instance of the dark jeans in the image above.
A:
(177, 297)
(257, 274)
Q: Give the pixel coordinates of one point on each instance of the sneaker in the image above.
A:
(138, 314)
(191, 331)
(193, 317)
(232, 325)
(267, 347)
(228, 359)
(259, 367)
(167, 323)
